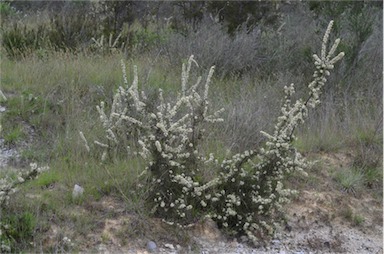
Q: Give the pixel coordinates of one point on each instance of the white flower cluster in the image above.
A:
(166, 133)
(264, 193)
(324, 64)
(249, 193)
(169, 131)
(8, 185)
(170, 140)
(125, 116)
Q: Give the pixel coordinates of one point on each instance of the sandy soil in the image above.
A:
(318, 221)
(314, 225)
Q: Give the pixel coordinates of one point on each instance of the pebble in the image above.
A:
(169, 246)
(77, 191)
(151, 246)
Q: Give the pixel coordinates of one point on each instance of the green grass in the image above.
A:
(47, 179)
(13, 136)
(50, 204)
(350, 180)
(341, 124)
(353, 218)
(373, 177)
(19, 229)
(358, 220)
(62, 74)
(324, 140)
(369, 135)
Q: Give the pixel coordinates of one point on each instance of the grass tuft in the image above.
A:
(350, 180)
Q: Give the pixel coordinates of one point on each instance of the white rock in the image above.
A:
(169, 246)
(77, 191)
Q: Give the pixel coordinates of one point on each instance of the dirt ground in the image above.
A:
(315, 224)
(319, 220)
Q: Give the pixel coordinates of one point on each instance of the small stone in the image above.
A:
(169, 246)
(151, 246)
(77, 191)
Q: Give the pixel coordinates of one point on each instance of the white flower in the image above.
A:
(231, 212)
(33, 166)
(104, 156)
(158, 146)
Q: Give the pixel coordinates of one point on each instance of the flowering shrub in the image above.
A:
(247, 193)
(8, 186)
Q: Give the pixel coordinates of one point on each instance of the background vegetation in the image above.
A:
(59, 59)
